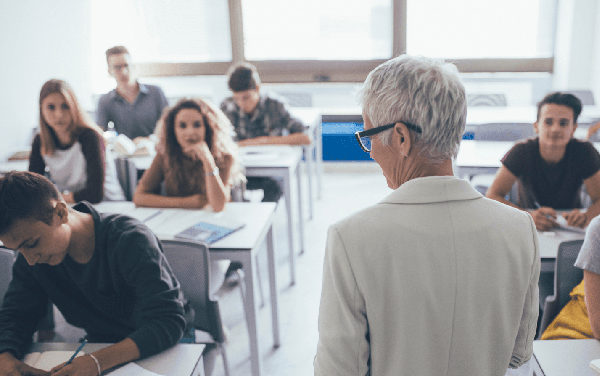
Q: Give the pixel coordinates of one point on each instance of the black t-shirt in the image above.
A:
(555, 185)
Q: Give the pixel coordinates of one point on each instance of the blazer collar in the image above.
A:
(432, 189)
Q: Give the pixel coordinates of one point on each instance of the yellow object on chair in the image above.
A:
(572, 321)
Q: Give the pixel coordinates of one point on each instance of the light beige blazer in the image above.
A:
(434, 280)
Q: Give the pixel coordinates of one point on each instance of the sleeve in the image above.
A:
(92, 148)
(158, 312)
(153, 176)
(36, 162)
(343, 347)
(102, 117)
(523, 348)
(162, 100)
(228, 108)
(589, 255)
(513, 159)
(589, 160)
(25, 302)
(287, 122)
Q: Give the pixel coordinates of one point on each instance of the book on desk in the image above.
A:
(208, 232)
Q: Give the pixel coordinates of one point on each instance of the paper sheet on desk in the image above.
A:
(562, 224)
(48, 359)
(132, 369)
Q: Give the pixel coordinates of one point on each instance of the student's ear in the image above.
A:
(401, 139)
(535, 127)
(257, 89)
(62, 212)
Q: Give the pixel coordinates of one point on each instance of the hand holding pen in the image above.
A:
(543, 217)
(77, 366)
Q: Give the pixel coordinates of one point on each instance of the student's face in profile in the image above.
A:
(39, 242)
(247, 100)
(56, 112)
(555, 126)
(189, 127)
(119, 67)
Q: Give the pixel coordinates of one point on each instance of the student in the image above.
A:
(552, 167)
(70, 149)
(196, 160)
(133, 107)
(580, 317)
(106, 273)
(259, 119)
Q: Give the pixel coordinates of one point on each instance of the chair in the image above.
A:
(7, 258)
(503, 131)
(127, 175)
(190, 261)
(566, 277)
(585, 96)
(493, 100)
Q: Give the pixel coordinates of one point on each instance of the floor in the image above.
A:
(346, 189)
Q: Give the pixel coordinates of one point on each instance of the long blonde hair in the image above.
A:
(79, 119)
(219, 138)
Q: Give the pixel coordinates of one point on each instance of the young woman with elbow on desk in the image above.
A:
(552, 167)
(70, 148)
(196, 159)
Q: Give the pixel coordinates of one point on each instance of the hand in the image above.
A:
(68, 197)
(199, 151)
(81, 366)
(196, 201)
(544, 218)
(575, 218)
(11, 366)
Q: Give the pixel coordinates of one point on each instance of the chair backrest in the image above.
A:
(190, 261)
(127, 174)
(490, 99)
(566, 277)
(7, 259)
(585, 96)
(503, 131)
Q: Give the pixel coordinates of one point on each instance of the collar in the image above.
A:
(260, 106)
(431, 189)
(114, 95)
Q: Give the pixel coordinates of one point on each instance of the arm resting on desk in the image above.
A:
(291, 139)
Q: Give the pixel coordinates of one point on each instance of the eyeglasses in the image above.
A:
(364, 137)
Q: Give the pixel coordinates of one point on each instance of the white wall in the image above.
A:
(576, 45)
(40, 40)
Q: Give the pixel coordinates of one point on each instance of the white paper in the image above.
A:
(562, 224)
(48, 359)
(132, 369)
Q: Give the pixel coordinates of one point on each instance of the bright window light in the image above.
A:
(481, 28)
(317, 30)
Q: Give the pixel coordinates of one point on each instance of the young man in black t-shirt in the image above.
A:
(106, 273)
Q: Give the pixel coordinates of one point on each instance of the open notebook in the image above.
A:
(49, 359)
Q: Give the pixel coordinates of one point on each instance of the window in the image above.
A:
(317, 30)
(470, 29)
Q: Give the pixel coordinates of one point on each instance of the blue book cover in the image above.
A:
(207, 232)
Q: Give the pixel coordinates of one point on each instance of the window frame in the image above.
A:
(310, 71)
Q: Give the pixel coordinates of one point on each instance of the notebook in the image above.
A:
(595, 365)
(48, 359)
(208, 232)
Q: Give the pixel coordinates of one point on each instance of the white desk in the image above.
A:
(179, 360)
(280, 162)
(313, 153)
(241, 246)
(7, 166)
(565, 357)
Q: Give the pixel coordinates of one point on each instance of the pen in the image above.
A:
(83, 342)
(152, 216)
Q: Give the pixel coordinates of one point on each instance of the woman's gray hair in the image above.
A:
(422, 91)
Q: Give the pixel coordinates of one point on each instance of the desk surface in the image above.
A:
(566, 357)
(165, 223)
(180, 360)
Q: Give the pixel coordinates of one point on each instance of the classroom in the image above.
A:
(334, 187)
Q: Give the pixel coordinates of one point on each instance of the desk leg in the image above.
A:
(273, 288)
(251, 312)
(288, 207)
(300, 211)
(308, 158)
(319, 160)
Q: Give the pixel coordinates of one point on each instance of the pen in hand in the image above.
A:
(83, 341)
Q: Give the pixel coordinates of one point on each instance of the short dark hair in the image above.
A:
(25, 195)
(242, 77)
(563, 99)
(116, 50)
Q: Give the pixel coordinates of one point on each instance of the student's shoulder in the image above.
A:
(154, 89)
(127, 236)
(107, 97)
(88, 135)
(582, 146)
